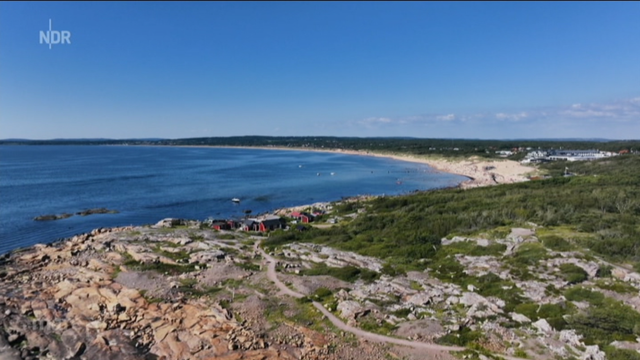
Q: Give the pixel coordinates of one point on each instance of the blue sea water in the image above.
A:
(147, 184)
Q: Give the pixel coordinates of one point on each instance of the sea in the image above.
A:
(145, 184)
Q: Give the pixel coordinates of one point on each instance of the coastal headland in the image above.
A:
(184, 290)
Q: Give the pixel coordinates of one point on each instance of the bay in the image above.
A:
(147, 184)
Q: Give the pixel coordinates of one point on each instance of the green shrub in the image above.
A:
(617, 286)
(348, 273)
(553, 313)
(462, 337)
(611, 320)
(322, 294)
(159, 267)
(614, 353)
(604, 271)
(582, 294)
(402, 313)
(556, 243)
(529, 254)
(573, 273)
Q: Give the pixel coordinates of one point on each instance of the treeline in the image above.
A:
(444, 147)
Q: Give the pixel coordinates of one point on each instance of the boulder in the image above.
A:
(470, 299)
(351, 309)
(520, 318)
(543, 326)
(570, 337)
(618, 273)
(419, 299)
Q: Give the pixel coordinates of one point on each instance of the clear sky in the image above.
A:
(191, 69)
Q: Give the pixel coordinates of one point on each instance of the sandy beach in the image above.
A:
(481, 172)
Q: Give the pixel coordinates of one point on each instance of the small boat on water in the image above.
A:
(235, 200)
(333, 173)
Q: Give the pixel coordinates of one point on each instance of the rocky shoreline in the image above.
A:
(181, 290)
(143, 293)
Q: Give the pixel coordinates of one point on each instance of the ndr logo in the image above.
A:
(52, 37)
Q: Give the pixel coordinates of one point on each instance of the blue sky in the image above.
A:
(175, 70)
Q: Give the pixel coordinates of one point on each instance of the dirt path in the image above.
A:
(272, 275)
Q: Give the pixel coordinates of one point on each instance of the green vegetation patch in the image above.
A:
(556, 243)
(617, 286)
(553, 313)
(599, 212)
(609, 321)
(573, 273)
(621, 354)
(181, 255)
(226, 236)
(490, 284)
(170, 269)
(529, 254)
(578, 293)
(371, 324)
(463, 337)
(347, 273)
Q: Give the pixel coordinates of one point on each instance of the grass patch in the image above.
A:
(248, 266)
(299, 312)
(347, 273)
(529, 254)
(177, 256)
(196, 237)
(402, 313)
(553, 313)
(169, 269)
(610, 321)
(617, 286)
(415, 285)
(573, 273)
(189, 288)
(463, 337)
(621, 354)
(578, 293)
(556, 243)
(371, 324)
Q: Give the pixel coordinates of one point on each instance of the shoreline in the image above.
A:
(481, 172)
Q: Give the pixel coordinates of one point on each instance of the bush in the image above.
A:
(553, 313)
(611, 320)
(348, 273)
(604, 271)
(581, 294)
(617, 286)
(621, 354)
(462, 337)
(530, 254)
(573, 273)
(556, 243)
(321, 294)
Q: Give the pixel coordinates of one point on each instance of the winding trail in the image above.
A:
(273, 276)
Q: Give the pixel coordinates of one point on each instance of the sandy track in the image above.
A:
(272, 275)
